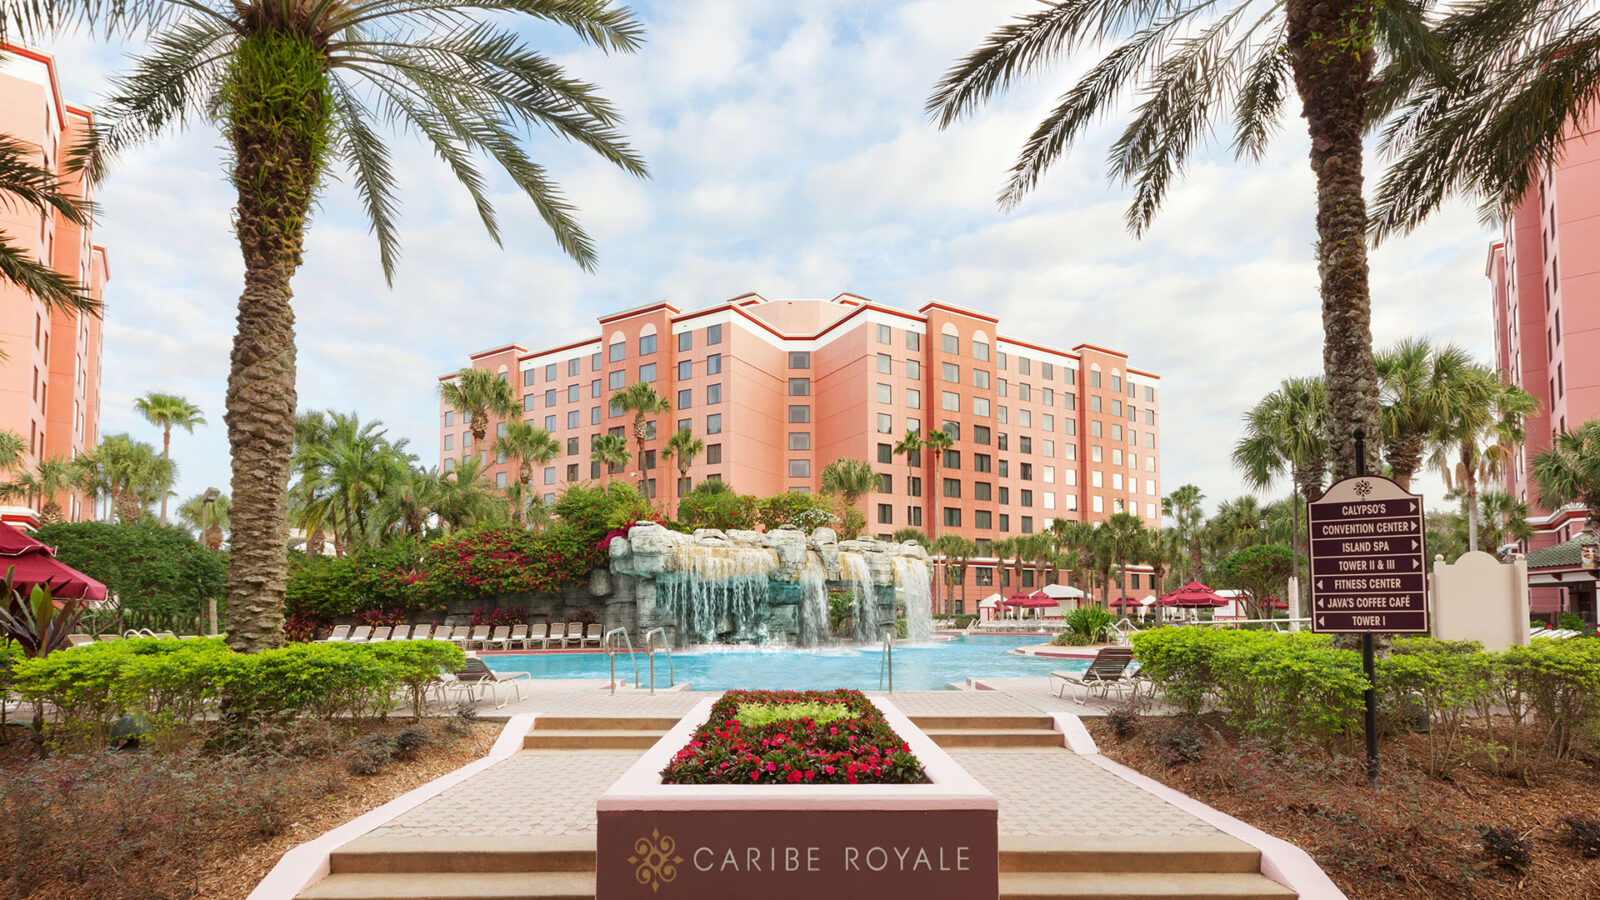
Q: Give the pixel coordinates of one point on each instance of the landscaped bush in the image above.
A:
(508, 561)
(806, 512)
(591, 510)
(771, 748)
(1085, 625)
(156, 570)
(723, 511)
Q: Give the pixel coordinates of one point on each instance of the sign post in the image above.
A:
(1368, 569)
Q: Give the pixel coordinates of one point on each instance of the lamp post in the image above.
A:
(206, 502)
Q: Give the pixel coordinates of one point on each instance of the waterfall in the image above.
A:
(866, 598)
(912, 575)
(717, 590)
(814, 618)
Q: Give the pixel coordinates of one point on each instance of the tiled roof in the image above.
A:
(1561, 555)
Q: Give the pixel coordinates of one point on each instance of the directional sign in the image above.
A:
(1368, 574)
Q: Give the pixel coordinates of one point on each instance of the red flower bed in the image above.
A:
(860, 748)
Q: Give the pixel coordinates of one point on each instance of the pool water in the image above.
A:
(917, 667)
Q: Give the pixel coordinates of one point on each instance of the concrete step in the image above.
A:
(994, 737)
(487, 853)
(604, 723)
(991, 723)
(540, 739)
(1067, 853)
(1139, 886)
(452, 886)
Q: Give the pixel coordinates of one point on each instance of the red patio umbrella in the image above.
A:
(1035, 600)
(1273, 602)
(1193, 594)
(35, 563)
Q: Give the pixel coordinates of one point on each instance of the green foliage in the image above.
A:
(592, 509)
(507, 561)
(153, 569)
(723, 510)
(1263, 570)
(1573, 622)
(1561, 683)
(32, 622)
(755, 715)
(1087, 625)
(806, 512)
(389, 576)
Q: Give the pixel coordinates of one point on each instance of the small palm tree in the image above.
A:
(135, 475)
(476, 395)
(958, 553)
(1126, 541)
(1503, 518)
(1183, 507)
(1420, 386)
(1073, 543)
(913, 535)
(682, 448)
(910, 447)
(1286, 432)
(936, 443)
(1480, 437)
(851, 479)
(25, 183)
(48, 479)
(464, 497)
(611, 451)
(1569, 472)
(209, 526)
(12, 447)
(645, 402)
(531, 446)
(166, 411)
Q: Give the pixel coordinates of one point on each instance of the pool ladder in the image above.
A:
(650, 649)
(886, 664)
(608, 645)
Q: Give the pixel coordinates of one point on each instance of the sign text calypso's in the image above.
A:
(850, 858)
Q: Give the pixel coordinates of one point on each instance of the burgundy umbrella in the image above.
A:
(34, 563)
(1193, 594)
(1035, 600)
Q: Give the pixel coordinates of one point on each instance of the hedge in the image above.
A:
(173, 685)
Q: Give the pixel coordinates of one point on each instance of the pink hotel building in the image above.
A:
(779, 388)
(50, 376)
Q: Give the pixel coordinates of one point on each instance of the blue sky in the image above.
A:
(790, 157)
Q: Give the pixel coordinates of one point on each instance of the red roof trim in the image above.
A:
(1133, 371)
(538, 353)
(1041, 348)
(639, 311)
(971, 314)
(483, 353)
(1101, 350)
(50, 67)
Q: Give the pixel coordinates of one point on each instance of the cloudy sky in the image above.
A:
(790, 157)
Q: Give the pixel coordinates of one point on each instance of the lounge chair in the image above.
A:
(479, 637)
(1108, 669)
(558, 634)
(401, 633)
(477, 672)
(78, 640)
(110, 637)
(340, 633)
(380, 634)
(594, 635)
(519, 637)
(460, 636)
(360, 634)
(422, 633)
(502, 633)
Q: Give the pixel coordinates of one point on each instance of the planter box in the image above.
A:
(934, 841)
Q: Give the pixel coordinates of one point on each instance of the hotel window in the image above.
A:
(949, 343)
(1116, 432)
(1094, 380)
(1047, 371)
(713, 454)
(950, 401)
(685, 399)
(618, 350)
(980, 434)
(714, 364)
(885, 483)
(885, 423)
(1005, 525)
(647, 373)
(1070, 401)
(499, 479)
(550, 398)
(1025, 418)
(1047, 422)
(572, 418)
(952, 517)
(1024, 444)
(615, 380)
(984, 576)
(1047, 396)
(884, 334)
(1149, 395)
(1097, 479)
(528, 401)
(982, 490)
(799, 387)
(1131, 389)
(982, 518)
(952, 459)
(1071, 375)
(572, 446)
(980, 406)
(647, 344)
(1069, 426)
(913, 398)
(1005, 388)
(1024, 365)
(980, 351)
(713, 335)
(799, 413)
(1096, 454)
(1069, 476)
(449, 442)
(595, 363)
(1116, 481)
(1048, 449)
(1097, 503)
(1004, 443)
(685, 369)
(914, 424)
(449, 418)
(914, 515)
(550, 372)
(594, 388)
(449, 465)
(1072, 501)
(1116, 407)
(1561, 384)
(801, 440)
(1149, 417)
(1095, 429)
(1027, 528)
(913, 369)
(572, 393)
(885, 514)
(685, 341)
(951, 372)
(1026, 471)
(1024, 391)
(550, 475)
(885, 363)
(885, 453)
(799, 359)
(913, 341)
(572, 471)
(1049, 475)
(1150, 439)
(1150, 486)
(685, 424)
(914, 486)
(799, 468)
(980, 462)
(527, 377)
(952, 487)
(713, 394)
(594, 415)
(615, 409)
(1094, 403)
(572, 367)
(980, 379)
(594, 470)
(885, 394)
(951, 428)
(1116, 383)
(714, 424)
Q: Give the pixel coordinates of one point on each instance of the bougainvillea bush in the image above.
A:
(857, 748)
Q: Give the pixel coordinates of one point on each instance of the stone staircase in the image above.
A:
(596, 733)
(548, 867)
(1145, 868)
(993, 732)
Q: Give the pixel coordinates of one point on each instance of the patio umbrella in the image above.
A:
(35, 563)
(1193, 595)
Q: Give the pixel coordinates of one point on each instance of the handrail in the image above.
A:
(649, 648)
(610, 647)
(1125, 632)
(886, 663)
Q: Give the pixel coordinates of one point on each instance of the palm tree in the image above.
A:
(12, 447)
(1482, 434)
(134, 474)
(958, 553)
(913, 535)
(208, 526)
(1503, 518)
(530, 445)
(910, 446)
(1237, 524)
(851, 479)
(1569, 472)
(1191, 62)
(296, 88)
(464, 499)
(1183, 507)
(1419, 385)
(1073, 544)
(611, 451)
(1126, 541)
(645, 402)
(165, 411)
(936, 443)
(38, 190)
(476, 395)
(1286, 433)
(682, 448)
(45, 482)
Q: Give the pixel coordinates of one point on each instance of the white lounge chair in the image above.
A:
(558, 634)
(360, 635)
(497, 641)
(340, 633)
(519, 637)
(1108, 670)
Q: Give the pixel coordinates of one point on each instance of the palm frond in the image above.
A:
(363, 151)
(57, 291)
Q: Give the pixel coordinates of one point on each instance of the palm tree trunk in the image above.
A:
(276, 130)
(166, 449)
(1404, 458)
(1469, 481)
(1330, 51)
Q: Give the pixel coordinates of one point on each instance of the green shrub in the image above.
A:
(1090, 624)
(1450, 678)
(155, 570)
(591, 510)
(414, 664)
(1574, 622)
(324, 586)
(806, 512)
(723, 511)
(508, 561)
(1561, 682)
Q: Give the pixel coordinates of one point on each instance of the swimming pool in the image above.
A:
(917, 667)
